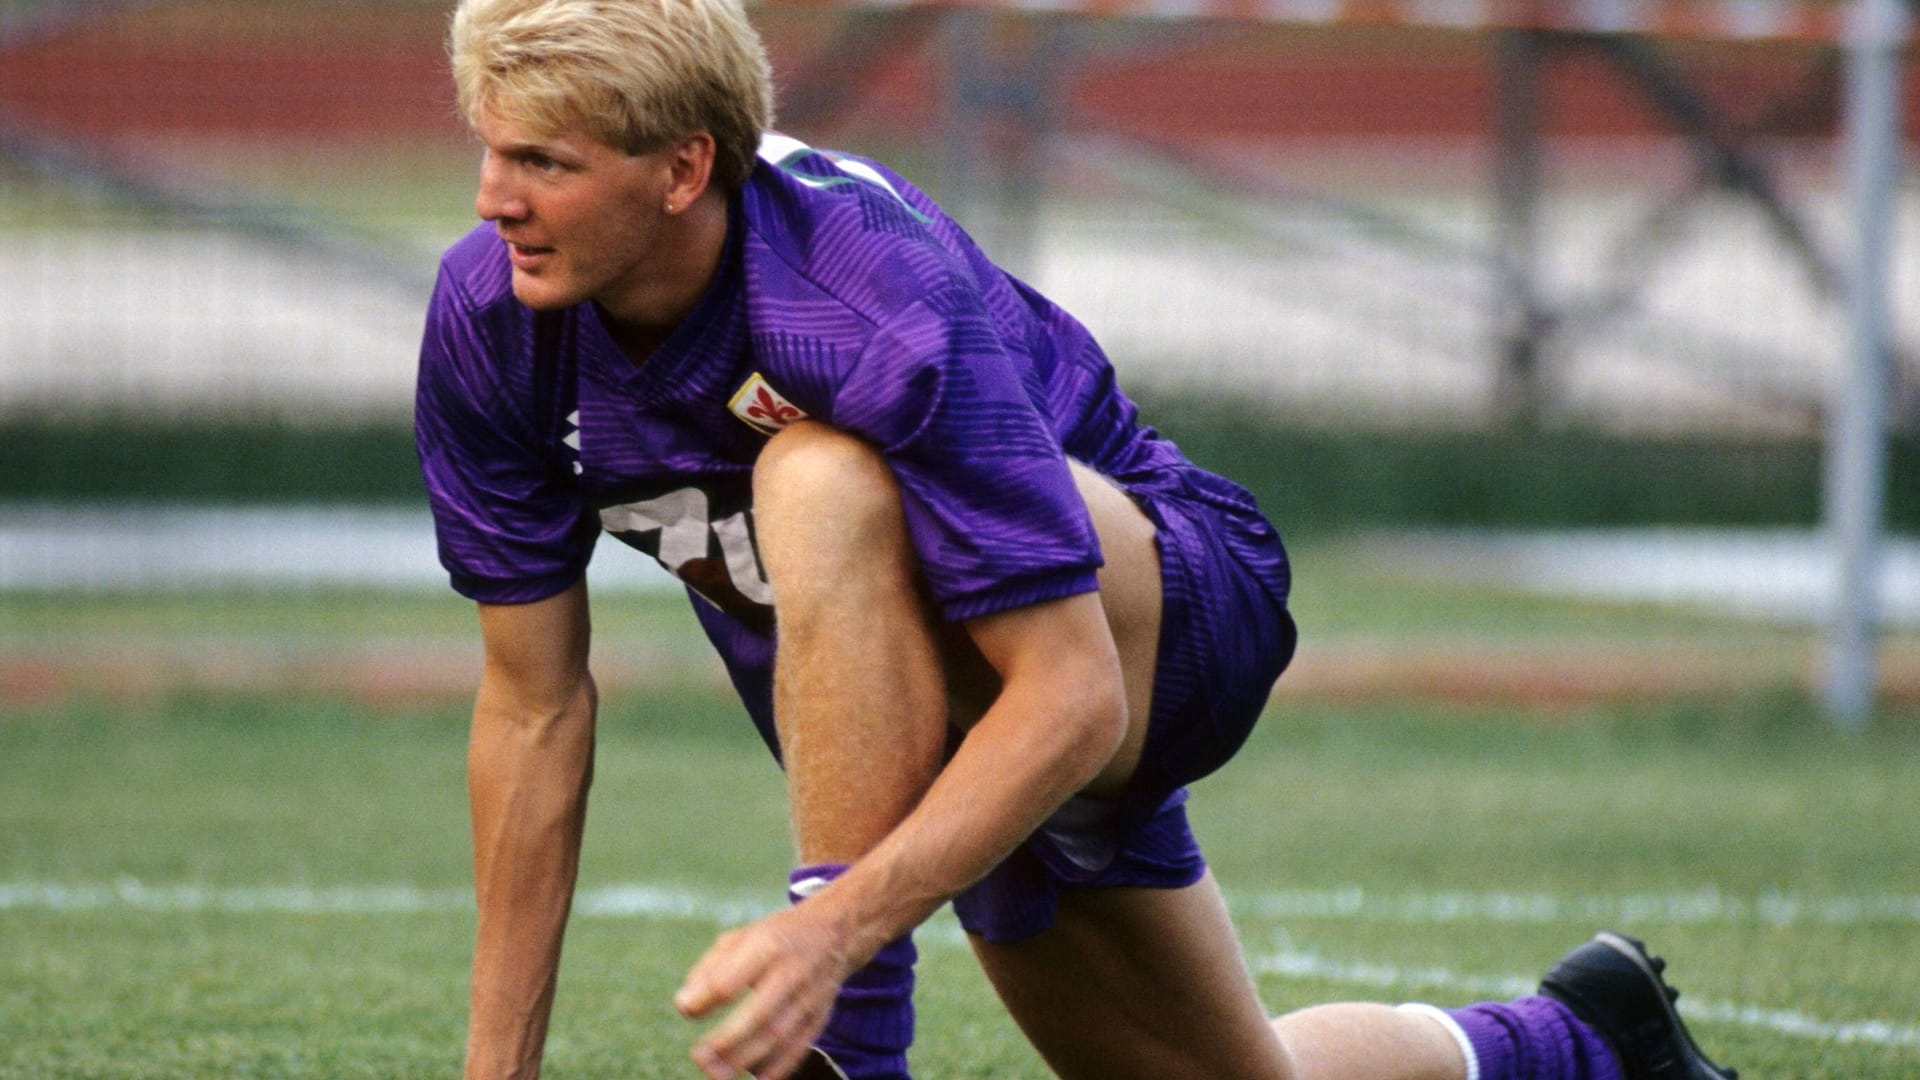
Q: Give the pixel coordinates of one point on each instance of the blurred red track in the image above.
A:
(357, 72)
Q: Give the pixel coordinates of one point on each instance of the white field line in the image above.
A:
(671, 902)
(1286, 962)
(1705, 907)
(128, 894)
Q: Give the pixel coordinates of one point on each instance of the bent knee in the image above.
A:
(812, 460)
(821, 494)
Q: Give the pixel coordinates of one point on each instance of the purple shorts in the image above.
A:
(1225, 636)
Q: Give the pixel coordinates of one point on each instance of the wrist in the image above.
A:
(869, 908)
(485, 1063)
(505, 1042)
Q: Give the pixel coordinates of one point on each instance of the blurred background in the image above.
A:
(1574, 345)
(1528, 323)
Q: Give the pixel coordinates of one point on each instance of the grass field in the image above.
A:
(231, 879)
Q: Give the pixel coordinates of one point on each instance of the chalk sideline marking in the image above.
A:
(1284, 961)
(617, 901)
(1287, 962)
(1706, 907)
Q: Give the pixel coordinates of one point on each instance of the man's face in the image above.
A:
(581, 218)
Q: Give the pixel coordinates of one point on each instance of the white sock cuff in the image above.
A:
(1454, 1029)
(807, 886)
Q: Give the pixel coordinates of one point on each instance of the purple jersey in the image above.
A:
(844, 295)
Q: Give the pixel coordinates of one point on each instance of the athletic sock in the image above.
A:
(871, 1025)
(1531, 1038)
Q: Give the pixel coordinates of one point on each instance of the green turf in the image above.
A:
(1731, 805)
(325, 619)
(1336, 595)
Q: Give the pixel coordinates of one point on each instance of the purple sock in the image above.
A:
(871, 1025)
(1531, 1038)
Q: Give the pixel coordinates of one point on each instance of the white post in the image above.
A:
(1856, 439)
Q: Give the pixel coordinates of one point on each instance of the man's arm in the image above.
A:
(1057, 721)
(529, 763)
(1059, 717)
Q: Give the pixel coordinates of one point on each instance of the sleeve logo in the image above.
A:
(762, 407)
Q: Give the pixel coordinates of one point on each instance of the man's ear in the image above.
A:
(690, 170)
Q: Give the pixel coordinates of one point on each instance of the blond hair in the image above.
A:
(635, 74)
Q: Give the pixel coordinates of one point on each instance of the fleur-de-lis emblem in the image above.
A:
(762, 407)
(771, 409)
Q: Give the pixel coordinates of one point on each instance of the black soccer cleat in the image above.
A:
(1615, 986)
(818, 1066)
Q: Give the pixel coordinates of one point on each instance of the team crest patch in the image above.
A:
(762, 407)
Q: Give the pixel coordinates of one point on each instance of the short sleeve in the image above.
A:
(509, 528)
(990, 503)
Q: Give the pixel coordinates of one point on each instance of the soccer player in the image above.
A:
(990, 623)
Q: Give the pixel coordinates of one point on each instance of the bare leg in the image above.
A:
(1377, 1042)
(1130, 982)
(859, 694)
(1149, 983)
(866, 681)
(1139, 983)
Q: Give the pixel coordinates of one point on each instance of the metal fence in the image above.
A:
(1627, 217)
(236, 205)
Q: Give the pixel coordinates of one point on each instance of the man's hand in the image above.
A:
(789, 965)
(1058, 719)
